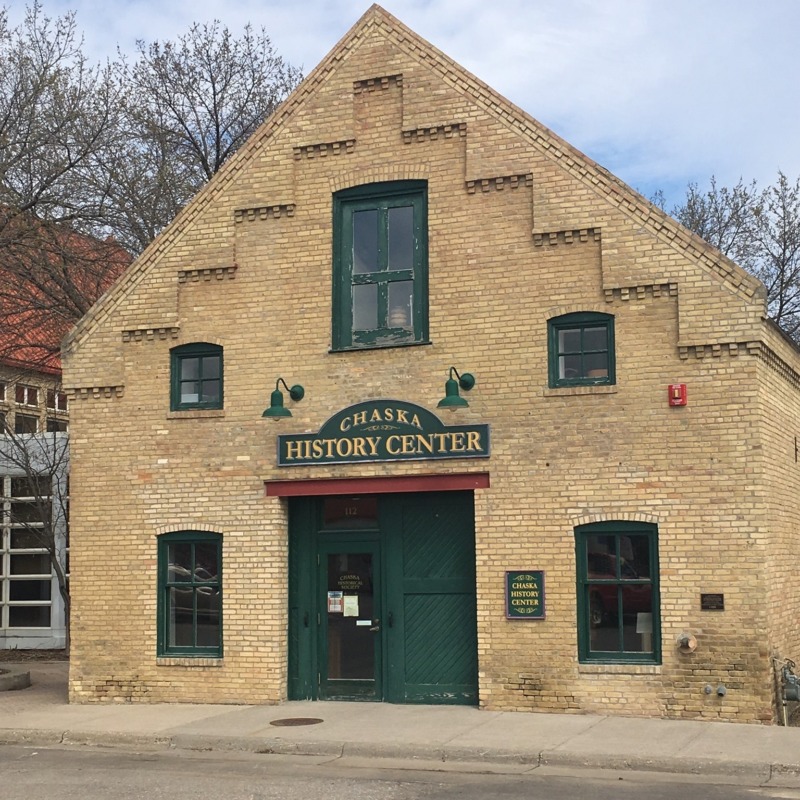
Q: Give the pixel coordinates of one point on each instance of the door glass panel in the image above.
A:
(351, 643)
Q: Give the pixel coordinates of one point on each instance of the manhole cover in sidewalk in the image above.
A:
(295, 721)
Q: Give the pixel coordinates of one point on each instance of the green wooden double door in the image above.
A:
(382, 598)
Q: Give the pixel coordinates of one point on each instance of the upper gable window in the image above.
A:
(581, 350)
(380, 265)
(196, 373)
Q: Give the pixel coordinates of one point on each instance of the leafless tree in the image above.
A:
(760, 230)
(190, 104)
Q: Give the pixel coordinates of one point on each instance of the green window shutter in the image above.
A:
(196, 376)
(618, 593)
(581, 350)
(190, 594)
(380, 266)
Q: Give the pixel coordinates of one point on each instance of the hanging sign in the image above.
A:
(383, 430)
(525, 594)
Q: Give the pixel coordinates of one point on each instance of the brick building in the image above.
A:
(484, 491)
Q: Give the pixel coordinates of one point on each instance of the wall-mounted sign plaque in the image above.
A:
(712, 602)
(383, 430)
(525, 594)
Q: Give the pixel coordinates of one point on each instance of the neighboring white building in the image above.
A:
(32, 612)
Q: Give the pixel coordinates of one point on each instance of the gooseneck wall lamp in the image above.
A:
(276, 408)
(452, 399)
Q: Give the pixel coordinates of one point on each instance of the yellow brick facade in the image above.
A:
(522, 228)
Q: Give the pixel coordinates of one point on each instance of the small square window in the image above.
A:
(56, 401)
(196, 377)
(581, 350)
(27, 395)
(25, 423)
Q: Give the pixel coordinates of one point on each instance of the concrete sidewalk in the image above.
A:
(431, 736)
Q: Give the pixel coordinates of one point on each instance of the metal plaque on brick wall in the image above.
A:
(525, 594)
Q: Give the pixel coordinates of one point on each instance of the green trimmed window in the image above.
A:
(581, 350)
(190, 594)
(380, 265)
(618, 600)
(196, 376)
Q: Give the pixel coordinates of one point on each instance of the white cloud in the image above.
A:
(659, 93)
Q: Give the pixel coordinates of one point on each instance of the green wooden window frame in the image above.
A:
(618, 593)
(380, 266)
(190, 594)
(581, 350)
(196, 372)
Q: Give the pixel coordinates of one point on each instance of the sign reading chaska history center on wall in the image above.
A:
(383, 430)
(525, 594)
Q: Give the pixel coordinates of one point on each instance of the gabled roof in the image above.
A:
(581, 167)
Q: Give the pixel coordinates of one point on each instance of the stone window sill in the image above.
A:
(180, 661)
(619, 669)
(571, 391)
(196, 413)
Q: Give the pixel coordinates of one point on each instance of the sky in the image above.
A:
(662, 93)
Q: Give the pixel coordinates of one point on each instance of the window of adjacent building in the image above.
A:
(25, 423)
(27, 395)
(380, 265)
(618, 600)
(2, 391)
(26, 581)
(581, 350)
(56, 401)
(57, 425)
(190, 594)
(196, 371)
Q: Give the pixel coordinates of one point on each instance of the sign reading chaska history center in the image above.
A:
(525, 594)
(383, 430)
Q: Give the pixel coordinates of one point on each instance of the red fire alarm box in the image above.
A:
(677, 394)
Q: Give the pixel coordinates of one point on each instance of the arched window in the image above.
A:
(581, 350)
(190, 594)
(196, 376)
(618, 599)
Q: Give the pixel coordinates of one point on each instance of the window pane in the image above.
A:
(190, 392)
(179, 556)
(596, 365)
(401, 238)
(30, 564)
(211, 365)
(208, 617)
(190, 368)
(29, 512)
(180, 618)
(635, 551)
(569, 340)
(25, 539)
(365, 307)
(365, 241)
(637, 618)
(400, 304)
(29, 616)
(206, 567)
(31, 487)
(595, 338)
(569, 367)
(29, 590)
(25, 424)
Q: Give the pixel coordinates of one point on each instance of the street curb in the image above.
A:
(425, 756)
